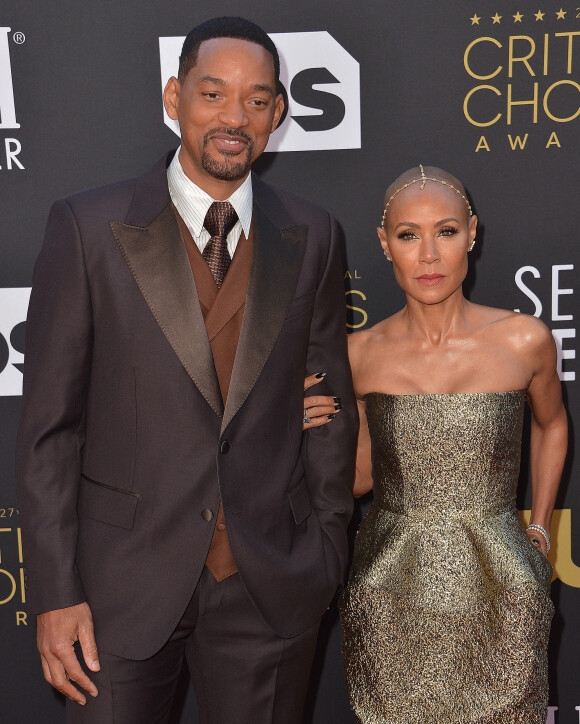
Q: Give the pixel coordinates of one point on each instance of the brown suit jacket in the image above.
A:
(125, 445)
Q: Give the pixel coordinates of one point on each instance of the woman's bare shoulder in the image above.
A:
(486, 316)
(514, 327)
(368, 348)
(361, 342)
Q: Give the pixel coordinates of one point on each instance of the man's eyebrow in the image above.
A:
(211, 79)
(264, 87)
(220, 81)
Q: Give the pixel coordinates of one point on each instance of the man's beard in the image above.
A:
(232, 167)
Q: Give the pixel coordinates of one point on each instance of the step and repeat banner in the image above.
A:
(489, 91)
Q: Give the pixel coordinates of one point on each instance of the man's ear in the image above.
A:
(279, 112)
(171, 97)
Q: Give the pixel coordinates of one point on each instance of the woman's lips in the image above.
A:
(430, 280)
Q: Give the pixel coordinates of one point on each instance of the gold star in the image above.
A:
(475, 19)
(496, 18)
(539, 15)
(560, 14)
(518, 17)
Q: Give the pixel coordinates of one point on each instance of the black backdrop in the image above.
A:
(490, 92)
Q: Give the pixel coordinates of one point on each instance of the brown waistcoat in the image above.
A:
(223, 312)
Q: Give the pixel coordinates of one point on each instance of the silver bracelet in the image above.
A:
(542, 531)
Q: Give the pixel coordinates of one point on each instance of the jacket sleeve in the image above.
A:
(51, 431)
(330, 449)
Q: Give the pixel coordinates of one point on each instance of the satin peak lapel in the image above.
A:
(157, 258)
(276, 264)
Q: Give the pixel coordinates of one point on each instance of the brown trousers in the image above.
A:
(241, 671)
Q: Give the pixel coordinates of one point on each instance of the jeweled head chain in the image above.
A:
(423, 180)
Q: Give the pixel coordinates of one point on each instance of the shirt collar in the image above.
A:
(193, 202)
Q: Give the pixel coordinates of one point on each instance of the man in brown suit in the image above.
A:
(172, 506)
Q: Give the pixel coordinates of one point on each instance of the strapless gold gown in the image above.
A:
(446, 616)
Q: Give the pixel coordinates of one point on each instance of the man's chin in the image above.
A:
(225, 170)
(229, 174)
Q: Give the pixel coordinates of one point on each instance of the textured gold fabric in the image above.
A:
(446, 616)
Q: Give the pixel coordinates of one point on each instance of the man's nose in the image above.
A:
(233, 115)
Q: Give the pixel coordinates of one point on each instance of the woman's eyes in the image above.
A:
(448, 231)
(407, 235)
(410, 235)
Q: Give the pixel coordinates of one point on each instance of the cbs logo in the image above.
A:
(13, 308)
(322, 82)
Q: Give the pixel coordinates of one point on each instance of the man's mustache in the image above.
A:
(228, 132)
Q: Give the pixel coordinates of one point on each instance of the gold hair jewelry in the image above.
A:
(423, 179)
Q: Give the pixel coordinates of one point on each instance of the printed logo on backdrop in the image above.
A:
(554, 719)
(12, 576)
(523, 70)
(322, 81)
(11, 147)
(557, 311)
(13, 309)
(356, 314)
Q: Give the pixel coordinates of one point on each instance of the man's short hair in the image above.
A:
(225, 27)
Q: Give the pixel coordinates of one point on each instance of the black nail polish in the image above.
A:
(331, 416)
(337, 400)
(339, 406)
(320, 375)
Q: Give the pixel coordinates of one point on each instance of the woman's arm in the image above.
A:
(363, 481)
(549, 431)
(358, 357)
(321, 409)
(318, 409)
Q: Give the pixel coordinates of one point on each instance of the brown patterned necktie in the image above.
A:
(219, 221)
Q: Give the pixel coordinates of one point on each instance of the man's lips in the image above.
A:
(430, 279)
(229, 143)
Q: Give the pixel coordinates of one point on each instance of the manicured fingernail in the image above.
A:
(320, 375)
(339, 406)
(337, 400)
(331, 416)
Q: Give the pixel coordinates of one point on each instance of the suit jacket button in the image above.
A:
(225, 447)
(207, 514)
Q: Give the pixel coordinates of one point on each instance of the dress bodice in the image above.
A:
(445, 454)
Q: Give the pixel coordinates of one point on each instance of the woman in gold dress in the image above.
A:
(446, 616)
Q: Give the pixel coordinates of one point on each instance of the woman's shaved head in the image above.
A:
(422, 175)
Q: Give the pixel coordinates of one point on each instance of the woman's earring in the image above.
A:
(389, 258)
(472, 245)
